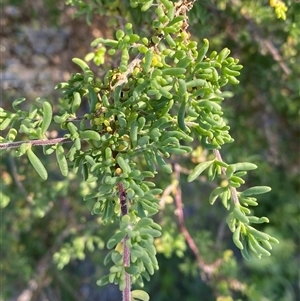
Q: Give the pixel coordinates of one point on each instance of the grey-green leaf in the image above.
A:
(47, 116)
(255, 190)
(198, 170)
(37, 164)
(115, 239)
(140, 295)
(61, 160)
(244, 166)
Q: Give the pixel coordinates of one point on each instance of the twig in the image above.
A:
(19, 184)
(168, 190)
(233, 191)
(181, 7)
(39, 280)
(122, 193)
(126, 251)
(16, 144)
(207, 269)
(124, 78)
(256, 33)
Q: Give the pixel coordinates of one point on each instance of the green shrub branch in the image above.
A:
(164, 97)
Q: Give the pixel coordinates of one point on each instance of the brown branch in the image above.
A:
(16, 144)
(168, 190)
(126, 251)
(254, 31)
(19, 184)
(258, 36)
(122, 194)
(40, 278)
(207, 269)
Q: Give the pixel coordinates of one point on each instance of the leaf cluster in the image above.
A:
(165, 94)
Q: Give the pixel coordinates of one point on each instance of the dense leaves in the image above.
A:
(129, 127)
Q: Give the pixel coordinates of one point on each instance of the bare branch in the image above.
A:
(258, 36)
(40, 279)
(207, 269)
(19, 184)
(16, 144)
(255, 32)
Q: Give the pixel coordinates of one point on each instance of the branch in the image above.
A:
(234, 195)
(19, 184)
(255, 32)
(126, 251)
(9, 145)
(208, 269)
(181, 8)
(258, 36)
(40, 278)
(124, 78)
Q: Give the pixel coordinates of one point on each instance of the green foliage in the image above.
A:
(164, 96)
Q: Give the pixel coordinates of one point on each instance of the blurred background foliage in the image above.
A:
(52, 248)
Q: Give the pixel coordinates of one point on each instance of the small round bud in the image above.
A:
(118, 171)
(128, 25)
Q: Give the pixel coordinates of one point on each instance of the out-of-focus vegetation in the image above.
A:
(42, 225)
